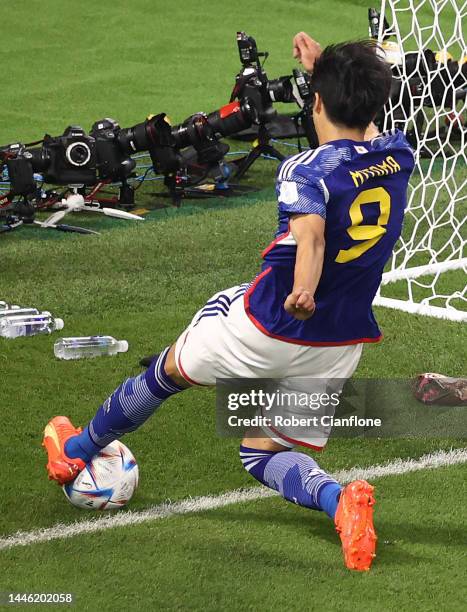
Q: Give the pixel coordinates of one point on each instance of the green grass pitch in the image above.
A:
(74, 62)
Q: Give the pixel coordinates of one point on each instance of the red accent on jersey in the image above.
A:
(262, 329)
(297, 442)
(181, 369)
(275, 241)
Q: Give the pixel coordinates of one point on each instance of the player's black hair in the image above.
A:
(353, 81)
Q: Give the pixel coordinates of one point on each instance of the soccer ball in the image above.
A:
(107, 482)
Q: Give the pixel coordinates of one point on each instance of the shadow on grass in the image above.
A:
(394, 537)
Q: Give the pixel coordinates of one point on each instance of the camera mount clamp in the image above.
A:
(24, 211)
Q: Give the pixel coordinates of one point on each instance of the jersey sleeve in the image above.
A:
(301, 194)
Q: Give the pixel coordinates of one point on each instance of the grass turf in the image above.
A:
(143, 282)
(264, 555)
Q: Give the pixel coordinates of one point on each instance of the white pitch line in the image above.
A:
(200, 504)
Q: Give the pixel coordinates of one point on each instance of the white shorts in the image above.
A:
(222, 342)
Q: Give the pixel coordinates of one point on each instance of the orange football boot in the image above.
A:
(61, 467)
(354, 524)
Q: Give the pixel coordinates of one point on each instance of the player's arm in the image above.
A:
(305, 50)
(308, 232)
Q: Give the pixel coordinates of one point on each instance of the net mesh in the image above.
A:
(424, 42)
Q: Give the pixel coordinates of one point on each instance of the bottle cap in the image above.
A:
(122, 346)
(59, 323)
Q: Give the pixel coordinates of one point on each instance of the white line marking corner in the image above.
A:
(61, 531)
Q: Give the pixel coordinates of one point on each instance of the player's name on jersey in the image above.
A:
(387, 166)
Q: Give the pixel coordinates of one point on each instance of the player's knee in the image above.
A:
(171, 369)
(255, 439)
(254, 459)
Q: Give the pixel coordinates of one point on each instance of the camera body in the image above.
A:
(420, 79)
(69, 159)
(20, 169)
(257, 92)
(113, 160)
(430, 83)
(251, 83)
(66, 159)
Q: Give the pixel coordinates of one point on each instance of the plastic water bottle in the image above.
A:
(16, 311)
(6, 309)
(29, 325)
(89, 346)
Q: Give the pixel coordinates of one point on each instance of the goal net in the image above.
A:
(424, 43)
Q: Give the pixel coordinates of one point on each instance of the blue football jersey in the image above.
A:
(360, 189)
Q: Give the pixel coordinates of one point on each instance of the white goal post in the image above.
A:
(425, 44)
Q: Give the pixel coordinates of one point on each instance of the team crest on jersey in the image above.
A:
(288, 192)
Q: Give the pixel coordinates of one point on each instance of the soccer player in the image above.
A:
(307, 314)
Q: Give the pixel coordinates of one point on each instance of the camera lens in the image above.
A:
(78, 154)
(135, 138)
(280, 90)
(196, 131)
(39, 158)
(232, 118)
(181, 135)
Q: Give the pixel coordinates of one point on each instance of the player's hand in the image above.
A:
(306, 50)
(300, 304)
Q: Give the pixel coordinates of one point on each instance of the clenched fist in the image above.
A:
(306, 50)
(300, 304)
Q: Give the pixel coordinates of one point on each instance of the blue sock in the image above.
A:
(125, 410)
(296, 476)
